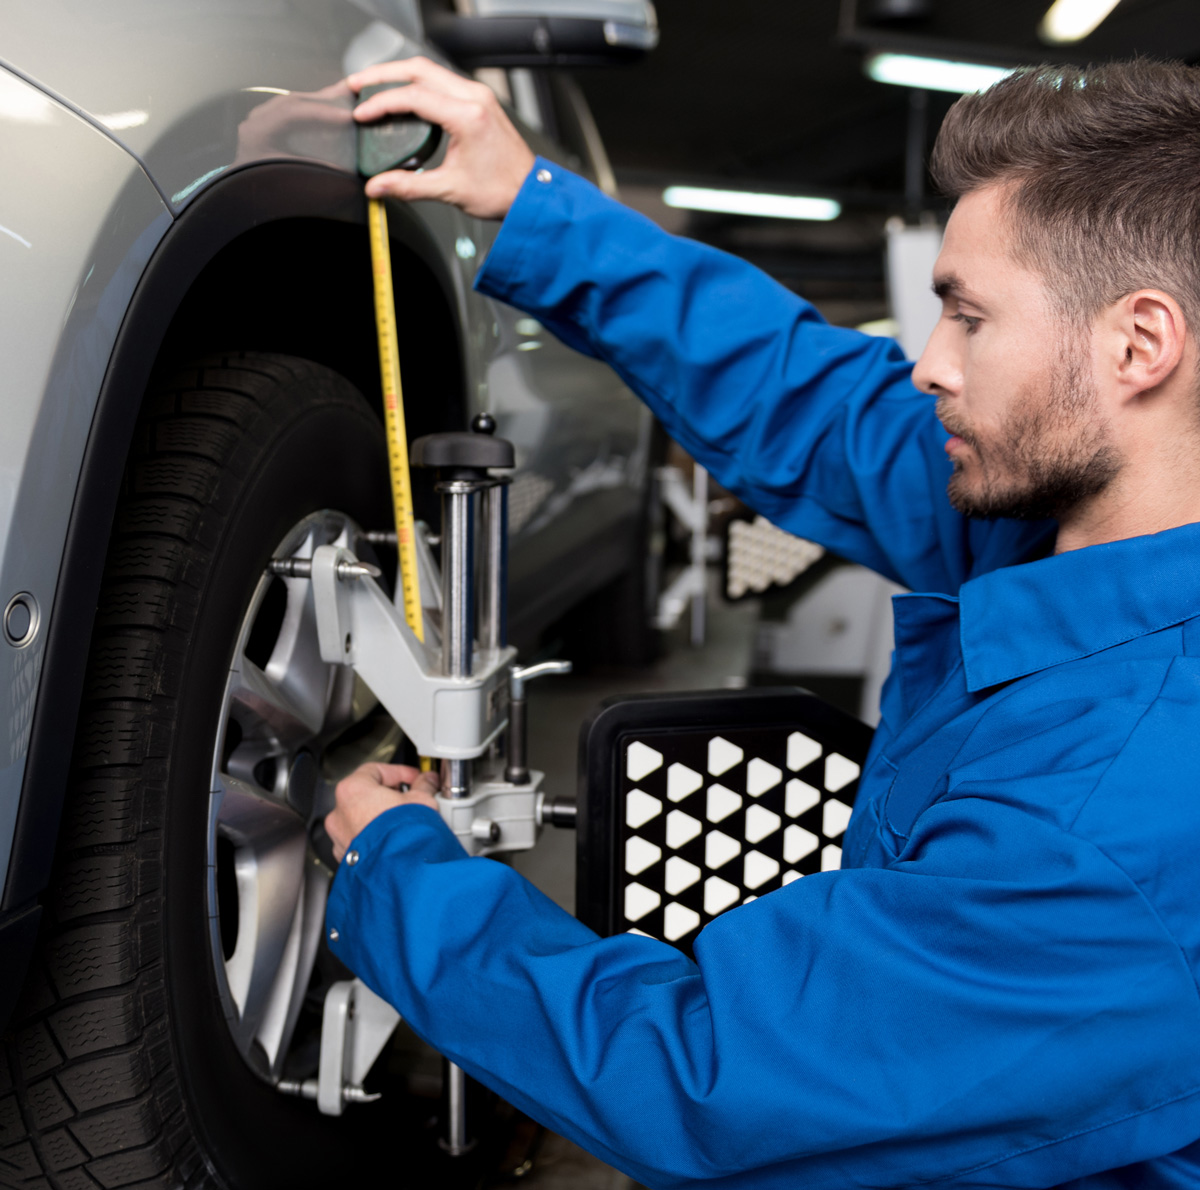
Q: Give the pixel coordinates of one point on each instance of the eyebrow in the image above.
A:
(952, 286)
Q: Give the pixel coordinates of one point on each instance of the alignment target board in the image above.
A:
(697, 803)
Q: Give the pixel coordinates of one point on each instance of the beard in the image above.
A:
(1052, 453)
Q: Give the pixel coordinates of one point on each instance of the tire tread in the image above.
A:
(88, 1095)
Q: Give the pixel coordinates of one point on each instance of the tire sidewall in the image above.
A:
(316, 446)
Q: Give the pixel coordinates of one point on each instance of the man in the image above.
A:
(999, 988)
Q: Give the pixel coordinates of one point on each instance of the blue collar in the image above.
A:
(1021, 619)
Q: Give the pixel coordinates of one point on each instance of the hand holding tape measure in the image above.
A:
(486, 161)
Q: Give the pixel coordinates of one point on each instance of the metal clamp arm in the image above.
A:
(358, 625)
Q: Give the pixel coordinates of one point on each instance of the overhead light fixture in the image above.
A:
(934, 74)
(1073, 20)
(744, 202)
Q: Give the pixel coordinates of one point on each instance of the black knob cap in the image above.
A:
(461, 452)
(483, 423)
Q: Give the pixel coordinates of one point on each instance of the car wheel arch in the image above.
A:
(239, 222)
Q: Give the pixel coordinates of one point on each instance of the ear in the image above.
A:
(1148, 341)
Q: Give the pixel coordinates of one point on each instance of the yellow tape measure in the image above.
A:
(393, 417)
(393, 408)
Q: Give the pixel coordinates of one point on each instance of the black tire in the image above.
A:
(120, 1070)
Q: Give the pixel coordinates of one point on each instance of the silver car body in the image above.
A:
(116, 118)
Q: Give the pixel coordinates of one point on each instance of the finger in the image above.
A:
(408, 70)
(426, 783)
(450, 111)
(409, 186)
(399, 70)
(392, 775)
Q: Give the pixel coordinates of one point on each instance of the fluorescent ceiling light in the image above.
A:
(743, 202)
(934, 74)
(1073, 20)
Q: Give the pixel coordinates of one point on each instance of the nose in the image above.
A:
(939, 370)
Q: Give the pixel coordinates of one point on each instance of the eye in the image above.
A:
(970, 322)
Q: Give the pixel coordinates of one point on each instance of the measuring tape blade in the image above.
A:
(393, 409)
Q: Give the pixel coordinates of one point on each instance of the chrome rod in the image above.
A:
(493, 587)
(457, 1140)
(456, 778)
(457, 597)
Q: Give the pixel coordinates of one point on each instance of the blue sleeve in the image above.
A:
(998, 1008)
(817, 427)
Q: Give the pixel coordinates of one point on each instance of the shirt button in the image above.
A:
(334, 935)
(544, 175)
(351, 858)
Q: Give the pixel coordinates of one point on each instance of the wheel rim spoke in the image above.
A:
(296, 669)
(270, 849)
(264, 707)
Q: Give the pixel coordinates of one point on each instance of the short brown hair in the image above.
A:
(1105, 168)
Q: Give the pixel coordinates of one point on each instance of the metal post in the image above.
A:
(458, 612)
(458, 626)
(493, 585)
(456, 1141)
(699, 553)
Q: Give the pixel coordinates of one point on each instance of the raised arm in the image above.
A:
(817, 427)
(882, 1027)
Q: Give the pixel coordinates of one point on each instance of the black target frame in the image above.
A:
(680, 728)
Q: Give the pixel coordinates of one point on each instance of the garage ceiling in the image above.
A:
(769, 89)
(771, 93)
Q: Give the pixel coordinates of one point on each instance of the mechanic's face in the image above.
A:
(1012, 377)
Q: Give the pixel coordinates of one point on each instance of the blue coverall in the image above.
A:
(999, 987)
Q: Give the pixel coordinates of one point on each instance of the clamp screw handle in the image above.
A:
(517, 772)
(519, 675)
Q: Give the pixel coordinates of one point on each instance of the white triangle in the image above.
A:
(681, 828)
(835, 817)
(801, 797)
(747, 900)
(640, 808)
(639, 933)
(761, 822)
(801, 751)
(839, 771)
(721, 803)
(639, 901)
(679, 920)
(640, 854)
(719, 895)
(641, 760)
(719, 849)
(682, 782)
(761, 776)
(758, 869)
(797, 843)
(679, 875)
(789, 877)
(722, 755)
(831, 858)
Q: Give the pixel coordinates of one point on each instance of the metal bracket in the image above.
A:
(355, 1026)
(498, 816)
(357, 625)
(690, 588)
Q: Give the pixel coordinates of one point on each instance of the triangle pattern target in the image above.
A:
(713, 821)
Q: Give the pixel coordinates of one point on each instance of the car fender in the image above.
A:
(90, 402)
